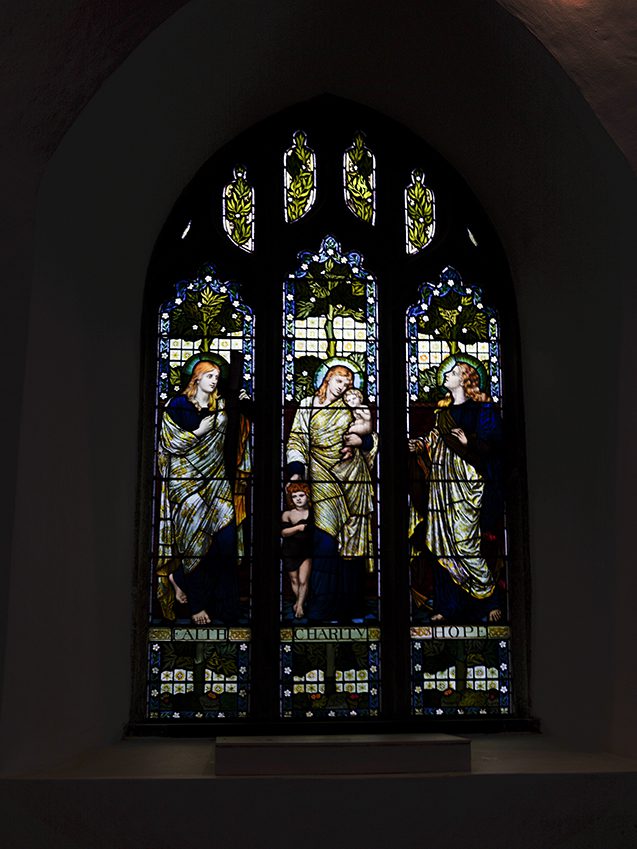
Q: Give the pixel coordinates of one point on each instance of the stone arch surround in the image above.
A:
(473, 83)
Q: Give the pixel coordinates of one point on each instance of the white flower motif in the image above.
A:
(290, 297)
(417, 689)
(199, 715)
(287, 670)
(287, 648)
(352, 713)
(503, 667)
(190, 286)
(309, 713)
(243, 670)
(287, 693)
(289, 357)
(164, 315)
(154, 692)
(331, 713)
(223, 289)
(503, 644)
(208, 279)
(417, 667)
(221, 715)
(163, 396)
(176, 715)
(156, 646)
(439, 711)
(195, 326)
(155, 670)
(178, 300)
(243, 647)
(504, 689)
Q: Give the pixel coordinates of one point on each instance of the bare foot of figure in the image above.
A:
(495, 615)
(438, 617)
(201, 618)
(180, 595)
(298, 612)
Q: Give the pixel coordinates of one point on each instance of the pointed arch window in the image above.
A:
(333, 492)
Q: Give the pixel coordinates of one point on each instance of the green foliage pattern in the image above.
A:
(202, 316)
(359, 175)
(330, 290)
(455, 318)
(420, 212)
(299, 164)
(238, 209)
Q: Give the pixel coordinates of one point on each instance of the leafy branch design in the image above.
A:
(420, 213)
(329, 289)
(238, 212)
(300, 166)
(359, 179)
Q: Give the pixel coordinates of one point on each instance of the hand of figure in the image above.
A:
(346, 453)
(353, 440)
(205, 426)
(460, 435)
(415, 446)
(295, 477)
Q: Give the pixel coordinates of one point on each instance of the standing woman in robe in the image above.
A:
(198, 528)
(461, 454)
(318, 447)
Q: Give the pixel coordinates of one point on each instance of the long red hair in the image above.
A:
(343, 371)
(202, 367)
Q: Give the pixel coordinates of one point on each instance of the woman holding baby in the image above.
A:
(332, 447)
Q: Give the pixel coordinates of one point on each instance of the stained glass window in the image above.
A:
(320, 607)
(460, 634)
(359, 179)
(238, 210)
(199, 631)
(420, 214)
(299, 168)
(329, 524)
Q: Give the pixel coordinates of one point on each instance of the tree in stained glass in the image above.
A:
(457, 540)
(199, 634)
(238, 210)
(329, 628)
(359, 179)
(299, 169)
(420, 214)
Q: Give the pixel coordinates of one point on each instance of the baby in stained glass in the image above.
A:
(362, 424)
(353, 472)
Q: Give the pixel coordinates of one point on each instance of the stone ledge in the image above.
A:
(342, 754)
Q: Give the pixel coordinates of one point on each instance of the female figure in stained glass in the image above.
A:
(461, 459)
(198, 521)
(318, 446)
